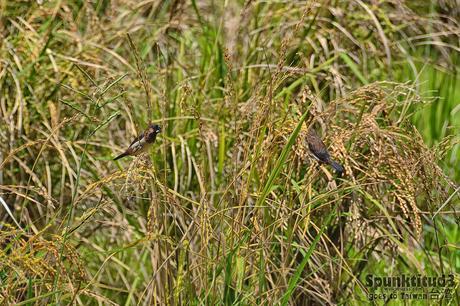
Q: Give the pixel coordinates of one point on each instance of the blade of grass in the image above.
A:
(10, 213)
(354, 68)
(281, 159)
(295, 278)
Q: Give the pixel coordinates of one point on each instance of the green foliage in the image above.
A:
(227, 208)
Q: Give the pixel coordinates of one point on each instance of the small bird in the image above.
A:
(142, 142)
(319, 151)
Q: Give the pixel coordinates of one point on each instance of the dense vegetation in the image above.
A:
(227, 207)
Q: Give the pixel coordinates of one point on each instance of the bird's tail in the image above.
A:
(121, 155)
(337, 167)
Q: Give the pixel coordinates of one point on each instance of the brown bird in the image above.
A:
(319, 151)
(142, 142)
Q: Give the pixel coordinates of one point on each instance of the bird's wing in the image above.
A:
(319, 150)
(322, 156)
(138, 146)
(137, 139)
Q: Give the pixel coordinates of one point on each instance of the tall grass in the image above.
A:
(227, 207)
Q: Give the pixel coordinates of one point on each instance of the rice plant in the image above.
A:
(227, 207)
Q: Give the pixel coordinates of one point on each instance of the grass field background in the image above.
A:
(227, 207)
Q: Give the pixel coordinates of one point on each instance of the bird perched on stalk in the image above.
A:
(142, 142)
(319, 151)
